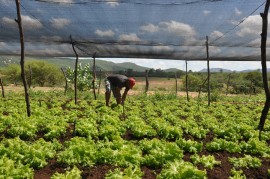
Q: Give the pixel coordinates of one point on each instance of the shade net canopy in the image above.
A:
(157, 29)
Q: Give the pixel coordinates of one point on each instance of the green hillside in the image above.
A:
(70, 62)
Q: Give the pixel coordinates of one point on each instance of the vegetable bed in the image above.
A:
(158, 136)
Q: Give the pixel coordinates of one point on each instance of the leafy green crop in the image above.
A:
(75, 173)
(159, 152)
(133, 172)
(11, 169)
(180, 169)
(207, 161)
(34, 154)
(246, 162)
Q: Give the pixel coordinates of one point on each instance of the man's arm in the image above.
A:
(124, 95)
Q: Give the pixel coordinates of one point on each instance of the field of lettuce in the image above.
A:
(157, 136)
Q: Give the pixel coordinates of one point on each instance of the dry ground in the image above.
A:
(156, 85)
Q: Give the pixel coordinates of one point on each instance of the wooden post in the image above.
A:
(200, 88)
(208, 70)
(146, 81)
(66, 85)
(2, 87)
(99, 83)
(187, 81)
(176, 87)
(76, 68)
(19, 21)
(264, 67)
(30, 76)
(227, 88)
(94, 75)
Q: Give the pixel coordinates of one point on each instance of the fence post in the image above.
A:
(19, 22)
(2, 87)
(146, 81)
(187, 80)
(208, 70)
(76, 67)
(264, 67)
(94, 75)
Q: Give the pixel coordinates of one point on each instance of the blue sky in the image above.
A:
(171, 29)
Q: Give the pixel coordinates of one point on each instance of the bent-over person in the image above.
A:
(115, 83)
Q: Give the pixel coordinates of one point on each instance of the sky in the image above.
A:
(146, 29)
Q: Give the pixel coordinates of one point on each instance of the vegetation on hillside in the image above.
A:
(47, 74)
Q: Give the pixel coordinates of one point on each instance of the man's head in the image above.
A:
(131, 82)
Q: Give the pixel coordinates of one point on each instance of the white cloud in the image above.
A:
(8, 21)
(257, 42)
(113, 4)
(174, 28)
(215, 34)
(251, 26)
(213, 50)
(237, 12)
(192, 40)
(2, 44)
(177, 28)
(7, 2)
(162, 48)
(129, 37)
(107, 33)
(52, 50)
(27, 22)
(61, 1)
(59, 23)
(206, 12)
(51, 38)
(151, 28)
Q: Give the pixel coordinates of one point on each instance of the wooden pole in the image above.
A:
(30, 76)
(76, 68)
(176, 87)
(208, 70)
(66, 85)
(187, 80)
(228, 82)
(99, 83)
(200, 88)
(2, 87)
(19, 21)
(94, 75)
(264, 66)
(146, 81)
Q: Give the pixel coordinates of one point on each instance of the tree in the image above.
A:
(12, 73)
(44, 72)
(255, 77)
(129, 72)
(84, 78)
(193, 82)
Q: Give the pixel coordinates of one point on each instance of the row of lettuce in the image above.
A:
(155, 132)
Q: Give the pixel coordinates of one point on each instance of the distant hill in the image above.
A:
(216, 70)
(172, 70)
(260, 70)
(69, 62)
(101, 64)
